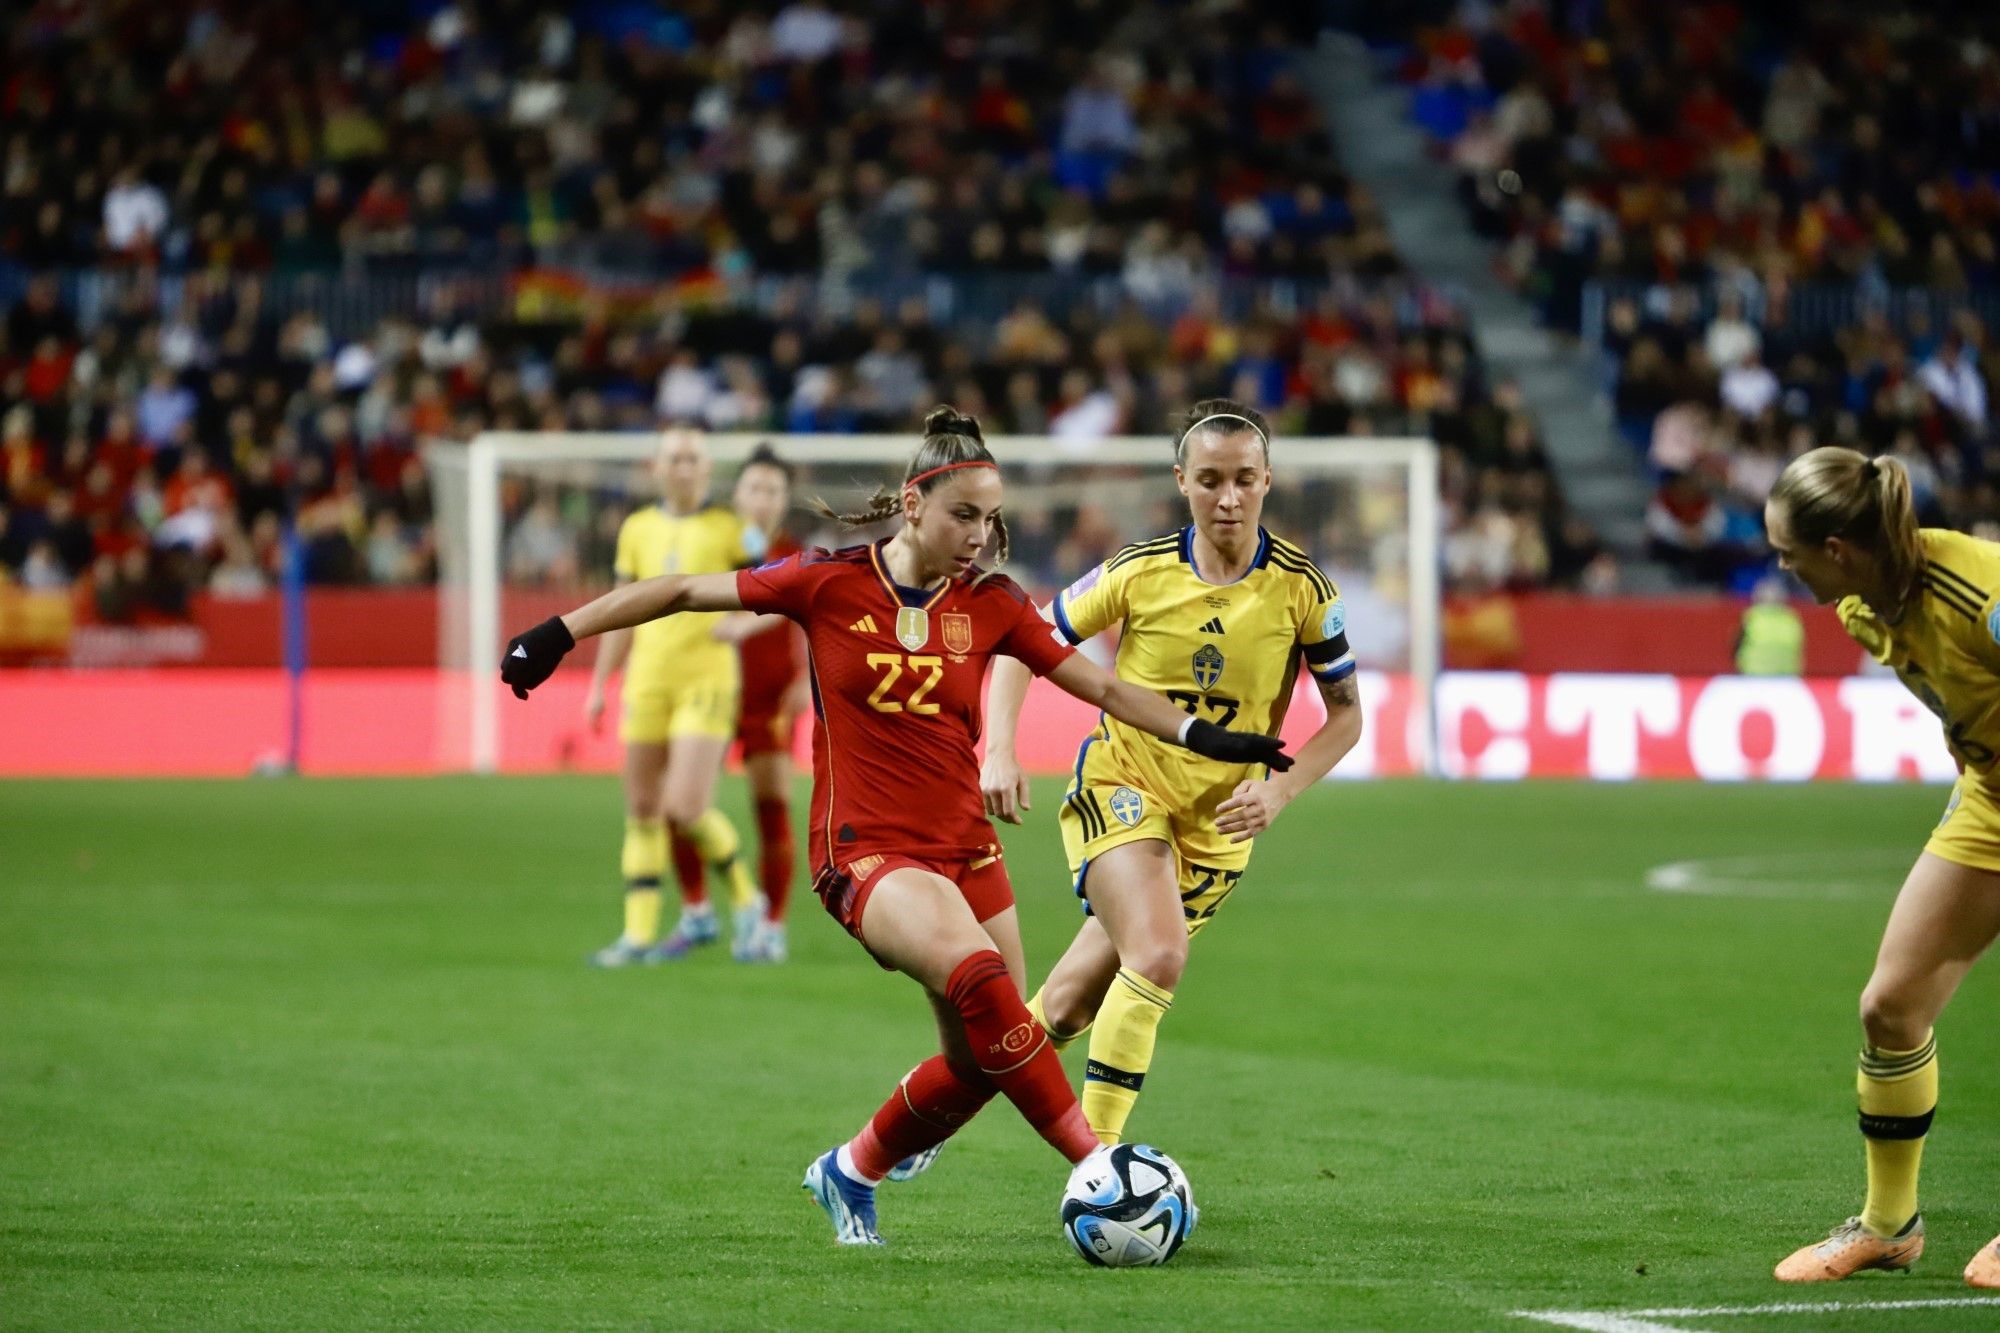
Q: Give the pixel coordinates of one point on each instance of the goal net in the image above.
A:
(527, 523)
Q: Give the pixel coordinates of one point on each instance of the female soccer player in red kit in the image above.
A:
(901, 632)
(774, 698)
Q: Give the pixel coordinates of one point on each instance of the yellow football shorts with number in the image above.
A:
(1969, 833)
(657, 714)
(1115, 799)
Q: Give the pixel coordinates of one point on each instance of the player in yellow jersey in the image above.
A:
(1219, 616)
(1926, 603)
(680, 702)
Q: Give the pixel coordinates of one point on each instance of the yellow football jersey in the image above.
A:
(653, 542)
(1228, 653)
(1946, 648)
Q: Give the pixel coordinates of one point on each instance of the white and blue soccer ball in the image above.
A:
(1128, 1206)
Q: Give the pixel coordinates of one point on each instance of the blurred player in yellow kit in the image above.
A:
(680, 701)
(1926, 603)
(1219, 616)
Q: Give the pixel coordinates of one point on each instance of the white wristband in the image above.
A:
(1186, 727)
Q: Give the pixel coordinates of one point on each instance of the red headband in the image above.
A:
(949, 467)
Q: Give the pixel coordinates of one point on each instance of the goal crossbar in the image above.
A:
(478, 465)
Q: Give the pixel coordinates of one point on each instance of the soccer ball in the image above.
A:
(1127, 1207)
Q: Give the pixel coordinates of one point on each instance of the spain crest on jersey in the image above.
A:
(957, 632)
(1208, 662)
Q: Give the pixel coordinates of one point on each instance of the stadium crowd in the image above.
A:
(1720, 162)
(155, 438)
(797, 138)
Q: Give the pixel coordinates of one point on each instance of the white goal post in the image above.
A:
(467, 480)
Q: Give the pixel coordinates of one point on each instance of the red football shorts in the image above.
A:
(764, 733)
(844, 889)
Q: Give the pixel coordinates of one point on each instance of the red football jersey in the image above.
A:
(897, 678)
(772, 660)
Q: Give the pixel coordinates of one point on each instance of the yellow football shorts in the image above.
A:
(1969, 833)
(1110, 805)
(654, 716)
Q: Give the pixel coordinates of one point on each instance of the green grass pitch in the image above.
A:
(318, 1054)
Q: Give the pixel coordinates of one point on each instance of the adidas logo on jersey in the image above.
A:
(865, 625)
(1214, 625)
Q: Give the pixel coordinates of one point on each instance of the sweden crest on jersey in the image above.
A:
(1127, 806)
(1207, 666)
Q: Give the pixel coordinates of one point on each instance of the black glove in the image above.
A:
(532, 657)
(1237, 747)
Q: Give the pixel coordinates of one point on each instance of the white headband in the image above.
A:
(1227, 416)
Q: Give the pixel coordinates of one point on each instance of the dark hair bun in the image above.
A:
(947, 420)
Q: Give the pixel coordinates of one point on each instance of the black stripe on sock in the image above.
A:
(1137, 988)
(1877, 1064)
(1896, 1126)
(650, 883)
(1896, 1075)
(1094, 1072)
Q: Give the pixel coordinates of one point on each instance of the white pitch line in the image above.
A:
(1816, 1307)
(1639, 1321)
(1782, 876)
(1596, 1323)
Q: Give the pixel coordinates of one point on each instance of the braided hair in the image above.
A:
(950, 436)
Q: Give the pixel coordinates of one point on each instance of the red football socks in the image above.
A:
(930, 1105)
(1013, 1051)
(688, 869)
(777, 856)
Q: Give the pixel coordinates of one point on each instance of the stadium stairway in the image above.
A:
(1383, 149)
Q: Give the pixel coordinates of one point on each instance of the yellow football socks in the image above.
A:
(1059, 1040)
(643, 861)
(1899, 1091)
(1121, 1050)
(715, 838)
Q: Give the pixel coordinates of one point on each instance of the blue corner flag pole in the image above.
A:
(293, 588)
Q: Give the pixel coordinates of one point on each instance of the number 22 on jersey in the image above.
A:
(925, 672)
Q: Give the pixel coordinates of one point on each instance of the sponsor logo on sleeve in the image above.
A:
(1334, 620)
(1086, 583)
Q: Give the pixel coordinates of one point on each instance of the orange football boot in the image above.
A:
(1984, 1270)
(1851, 1248)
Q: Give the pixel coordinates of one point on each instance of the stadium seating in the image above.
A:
(255, 308)
(1781, 235)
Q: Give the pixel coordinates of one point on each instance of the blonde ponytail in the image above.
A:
(1901, 546)
(1835, 492)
